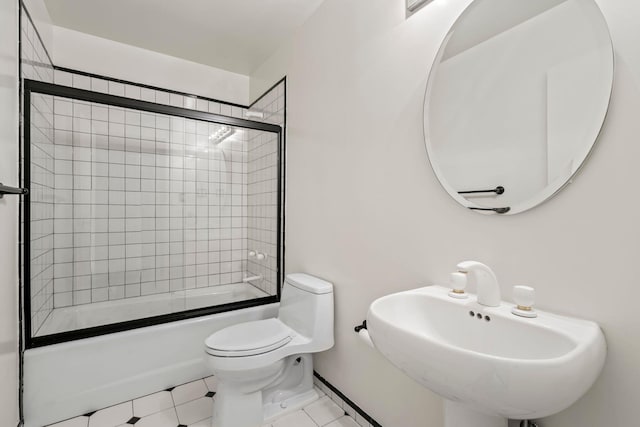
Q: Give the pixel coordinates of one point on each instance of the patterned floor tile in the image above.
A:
(152, 403)
(323, 411)
(191, 404)
(112, 416)
(73, 422)
(166, 418)
(194, 411)
(189, 391)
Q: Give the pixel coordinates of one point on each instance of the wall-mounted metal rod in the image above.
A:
(498, 190)
(5, 189)
(496, 210)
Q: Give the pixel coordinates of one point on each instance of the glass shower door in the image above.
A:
(142, 213)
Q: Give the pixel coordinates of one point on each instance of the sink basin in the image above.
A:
(486, 357)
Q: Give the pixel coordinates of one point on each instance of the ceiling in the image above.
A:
(235, 35)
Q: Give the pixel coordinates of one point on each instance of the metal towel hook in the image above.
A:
(498, 190)
(496, 210)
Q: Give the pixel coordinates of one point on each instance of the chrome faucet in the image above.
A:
(487, 284)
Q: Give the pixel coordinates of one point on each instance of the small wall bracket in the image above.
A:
(5, 189)
(360, 327)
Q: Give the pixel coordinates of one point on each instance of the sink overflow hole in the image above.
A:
(479, 316)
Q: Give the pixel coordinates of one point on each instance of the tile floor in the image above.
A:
(190, 405)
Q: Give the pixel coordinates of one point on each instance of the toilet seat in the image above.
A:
(249, 338)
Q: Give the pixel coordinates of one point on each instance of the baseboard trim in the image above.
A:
(348, 401)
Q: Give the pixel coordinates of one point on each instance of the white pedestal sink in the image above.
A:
(488, 363)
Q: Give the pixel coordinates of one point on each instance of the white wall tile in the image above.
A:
(138, 166)
(63, 78)
(116, 89)
(81, 82)
(99, 85)
(148, 95)
(132, 91)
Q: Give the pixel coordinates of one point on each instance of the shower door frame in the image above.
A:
(42, 88)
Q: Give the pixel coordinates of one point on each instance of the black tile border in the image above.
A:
(144, 86)
(348, 401)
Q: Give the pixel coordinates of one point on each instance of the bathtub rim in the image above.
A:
(252, 293)
(96, 331)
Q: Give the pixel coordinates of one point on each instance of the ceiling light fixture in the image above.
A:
(254, 114)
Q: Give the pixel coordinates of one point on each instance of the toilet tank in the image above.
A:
(306, 306)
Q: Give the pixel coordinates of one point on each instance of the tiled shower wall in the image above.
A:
(36, 65)
(145, 204)
(262, 190)
(258, 211)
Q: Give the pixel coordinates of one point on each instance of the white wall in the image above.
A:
(9, 213)
(41, 19)
(365, 211)
(84, 52)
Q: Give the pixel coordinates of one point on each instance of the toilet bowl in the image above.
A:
(264, 368)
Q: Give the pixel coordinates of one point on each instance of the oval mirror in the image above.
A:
(516, 99)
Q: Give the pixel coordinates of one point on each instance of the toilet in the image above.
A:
(264, 368)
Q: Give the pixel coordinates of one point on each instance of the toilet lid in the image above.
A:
(249, 338)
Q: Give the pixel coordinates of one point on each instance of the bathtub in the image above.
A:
(101, 313)
(69, 379)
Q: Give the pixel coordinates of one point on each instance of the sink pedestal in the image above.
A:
(460, 415)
